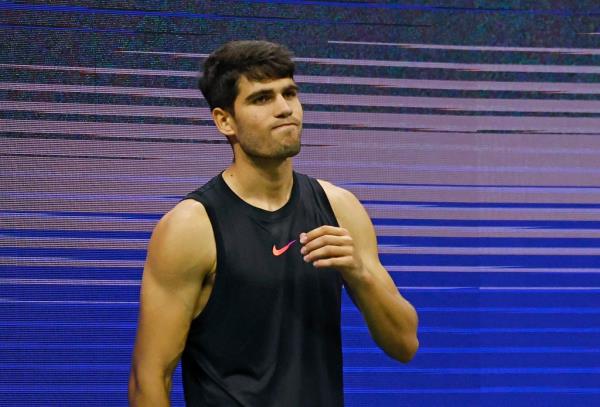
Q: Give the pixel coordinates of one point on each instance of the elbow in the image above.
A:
(133, 389)
(409, 350)
(404, 350)
(408, 342)
(148, 387)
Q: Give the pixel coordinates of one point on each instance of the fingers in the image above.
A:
(321, 231)
(328, 246)
(327, 240)
(335, 262)
(326, 252)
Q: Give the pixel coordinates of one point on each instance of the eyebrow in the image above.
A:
(265, 92)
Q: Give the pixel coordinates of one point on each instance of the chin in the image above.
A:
(286, 154)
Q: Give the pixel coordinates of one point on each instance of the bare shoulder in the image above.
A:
(187, 216)
(352, 216)
(348, 210)
(182, 242)
(343, 202)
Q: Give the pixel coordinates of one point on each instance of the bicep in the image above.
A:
(352, 216)
(170, 288)
(163, 324)
(363, 233)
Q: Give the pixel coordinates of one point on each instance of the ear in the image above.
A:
(224, 121)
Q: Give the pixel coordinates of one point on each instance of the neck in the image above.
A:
(266, 184)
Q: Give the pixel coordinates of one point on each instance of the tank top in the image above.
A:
(269, 334)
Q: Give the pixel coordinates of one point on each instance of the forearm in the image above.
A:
(148, 390)
(392, 320)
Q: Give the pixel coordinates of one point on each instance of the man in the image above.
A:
(243, 277)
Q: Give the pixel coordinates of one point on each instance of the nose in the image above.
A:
(283, 107)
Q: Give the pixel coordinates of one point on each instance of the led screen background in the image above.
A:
(469, 130)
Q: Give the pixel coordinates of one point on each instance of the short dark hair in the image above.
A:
(256, 60)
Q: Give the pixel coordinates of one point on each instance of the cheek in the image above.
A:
(299, 109)
(253, 117)
(249, 121)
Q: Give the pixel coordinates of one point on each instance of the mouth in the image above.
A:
(285, 126)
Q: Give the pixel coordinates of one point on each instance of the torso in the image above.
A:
(255, 305)
(210, 273)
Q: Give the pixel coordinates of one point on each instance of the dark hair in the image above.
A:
(256, 60)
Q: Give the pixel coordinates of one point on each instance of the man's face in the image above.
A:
(268, 118)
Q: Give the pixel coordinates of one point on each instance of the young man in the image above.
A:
(243, 277)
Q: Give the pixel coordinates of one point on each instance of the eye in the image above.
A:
(290, 93)
(262, 99)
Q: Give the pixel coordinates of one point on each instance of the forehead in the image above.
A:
(247, 87)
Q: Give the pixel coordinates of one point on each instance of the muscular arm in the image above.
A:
(352, 249)
(181, 253)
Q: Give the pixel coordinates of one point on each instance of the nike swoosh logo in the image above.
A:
(279, 252)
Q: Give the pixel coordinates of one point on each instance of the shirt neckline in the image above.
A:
(260, 213)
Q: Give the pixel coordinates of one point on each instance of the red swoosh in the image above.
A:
(279, 252)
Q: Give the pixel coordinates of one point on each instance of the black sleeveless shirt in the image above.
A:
(270, 332)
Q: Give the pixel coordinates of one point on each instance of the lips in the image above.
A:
(285, 125)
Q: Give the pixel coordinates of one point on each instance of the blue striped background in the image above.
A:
(469, 130)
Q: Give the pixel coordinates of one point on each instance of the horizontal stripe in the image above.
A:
(89, 196)
(512, 261)
(48, 27)
(146, 178)
(493, 232)
(485, 205)
(74, 214)
(566, 189)
(84, 234)
(117, 131)
(109, 391)
(75, 253)
(94, 70)
(450, 104)
(98, 12)
(534, 214)
(482, 289)
(72, 243)
(483, 331)
(98, 109)
(471, 85)
(454, 122)
(483, 241)
(64, 281)
(345, 328)
(404, 241)
(409, 248)
(408, 122)
(546, 224)
(36, 346)
(478, 391)
(474, 350)
(53, 263)
(484, 48)
(437, 9)
(514, 310)
(480, 371)
(70, 302)
(515, 261)
(540, 309)
(473, 67)
(550, 88)
(486, 269)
